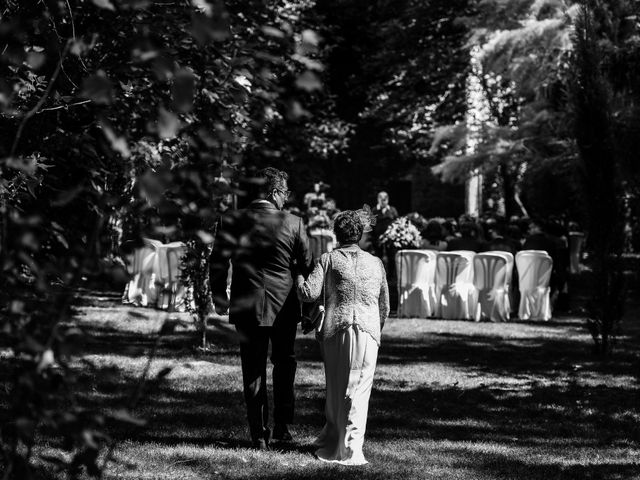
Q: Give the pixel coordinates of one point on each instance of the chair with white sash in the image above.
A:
(141, 289)
(455, 291)
(492, 277)
(171, 291)
(534, 272)
(416, 283)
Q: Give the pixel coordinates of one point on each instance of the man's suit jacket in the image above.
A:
(267, 249)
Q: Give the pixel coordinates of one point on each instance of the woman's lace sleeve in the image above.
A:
(383, 299)
(311, 289)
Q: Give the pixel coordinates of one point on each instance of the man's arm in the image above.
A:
(219, 263)
(302, 252)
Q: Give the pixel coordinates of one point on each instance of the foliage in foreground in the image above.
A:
(121, 118)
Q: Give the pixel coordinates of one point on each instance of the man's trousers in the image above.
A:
(254, 348)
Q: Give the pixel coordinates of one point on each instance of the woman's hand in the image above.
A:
(299, 282)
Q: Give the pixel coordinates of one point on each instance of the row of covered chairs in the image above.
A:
(155, 271)
(468, 285)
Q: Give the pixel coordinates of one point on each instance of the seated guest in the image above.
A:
(468, 240)
(538, 239)
(497, 240)
(449, 229)
(432, 236)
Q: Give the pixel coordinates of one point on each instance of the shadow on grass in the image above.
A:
(550, 406)
(481, 353)
(212, 414)
(503, 466)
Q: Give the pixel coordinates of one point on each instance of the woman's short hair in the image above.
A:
(348, 227)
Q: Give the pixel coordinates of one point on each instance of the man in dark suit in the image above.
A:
(267, 248)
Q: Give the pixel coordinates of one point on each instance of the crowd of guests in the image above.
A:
(487, 233)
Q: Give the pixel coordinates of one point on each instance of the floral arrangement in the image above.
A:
(402, 233)
(418, 220)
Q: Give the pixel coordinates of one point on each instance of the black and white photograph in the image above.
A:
(319, 239)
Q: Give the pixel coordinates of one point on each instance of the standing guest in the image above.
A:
(315, 199)
(353, 286)
(273, 249)
(385, 214)
(432, 236)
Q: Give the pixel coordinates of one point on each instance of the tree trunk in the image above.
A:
(594, 136)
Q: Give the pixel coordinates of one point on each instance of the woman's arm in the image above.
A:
(311, 289)
(383, 299)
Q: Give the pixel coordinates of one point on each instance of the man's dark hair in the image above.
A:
(348, 227)
(273, 179)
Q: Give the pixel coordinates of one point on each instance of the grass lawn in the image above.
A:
(451, 400)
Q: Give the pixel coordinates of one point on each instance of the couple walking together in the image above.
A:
(272, 272)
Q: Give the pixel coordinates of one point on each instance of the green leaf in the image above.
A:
(168, 124)
(47, 360)
(25, 428)
(118, 143)
(106, 4)
(183, 90)
(204, 236)
(272, 32)
(35, 60)
(215, 27)
(28, 165)
(97, 88)
(309, 81)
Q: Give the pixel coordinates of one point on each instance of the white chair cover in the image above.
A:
(416, 283)
(454, 287)
(141, 289)
(321, 240)
(168, 267)
(534, 272)
(492, 277)
(576, 241)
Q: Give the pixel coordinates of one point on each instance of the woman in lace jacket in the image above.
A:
(352, 286)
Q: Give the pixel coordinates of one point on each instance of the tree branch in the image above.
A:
(64, 106)
(42, 100)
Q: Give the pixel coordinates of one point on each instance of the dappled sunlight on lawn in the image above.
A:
(450, 400)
